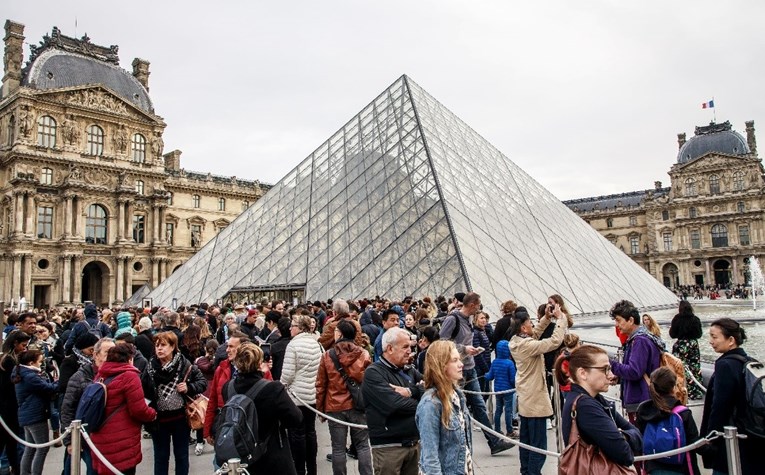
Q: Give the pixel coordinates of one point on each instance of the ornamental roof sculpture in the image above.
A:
(406, 199)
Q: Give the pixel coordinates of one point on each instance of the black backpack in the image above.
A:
(237, 433)
(753, 421)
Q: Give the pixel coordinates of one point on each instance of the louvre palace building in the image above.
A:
(92, 207)
(702, 229)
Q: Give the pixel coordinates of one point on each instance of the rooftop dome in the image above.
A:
(61, 61)
(720, 138)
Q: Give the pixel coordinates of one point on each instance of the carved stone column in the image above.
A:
(161, 229)
(128, 278)
(16, 277)
(7, 272)
(708, 280)
(155, 224)
(18, 212)
(26, 279)
(734, 277)
(77, 217)
(155, 263)
(120, 273)
(67, 216)
(66, 279)
(29, 228)
(77, 280)
(128, 221)
(120, 221)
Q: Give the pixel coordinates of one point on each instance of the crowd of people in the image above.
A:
(403, 380)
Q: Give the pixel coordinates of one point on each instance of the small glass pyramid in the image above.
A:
(406, 199)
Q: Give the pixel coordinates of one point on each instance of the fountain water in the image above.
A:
(757, 280)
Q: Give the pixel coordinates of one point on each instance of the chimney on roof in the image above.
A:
(657, 184)
(750, 140)
(14, 56)
(680, 140)
(141, 71)
(173, 160)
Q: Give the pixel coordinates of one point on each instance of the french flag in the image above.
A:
(708, 105)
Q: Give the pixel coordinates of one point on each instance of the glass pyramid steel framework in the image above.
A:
(406, 199)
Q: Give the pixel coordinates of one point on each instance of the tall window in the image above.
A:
(690, 187)
(695, 239)
(719, 235)
(634, 244)
(667, 241)
(738, 181)
(139, 228)
(95, 140)
(46, 176)
(46, 131)
(610, 223)
(740, 207)
(665, 215)
(195, 201)
(170, 198)
(692, 212)
(45, 222)
(139, 187)
(11, 130)
(95, 225)
(138, 148)
(221, 204)
(633, 220)
(170, 233)
(714, 184)
(743, 235)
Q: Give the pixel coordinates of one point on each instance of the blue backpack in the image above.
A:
(91, 409)
(665, 435)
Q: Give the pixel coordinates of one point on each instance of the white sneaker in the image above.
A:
(199, 449)
(549, 424)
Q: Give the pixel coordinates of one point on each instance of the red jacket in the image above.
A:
(119, 439)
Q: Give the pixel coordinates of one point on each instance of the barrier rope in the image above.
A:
(489, 393)
(98, 453)
(690, 376)
(29, 444)
(325, 416)
(514, 441)
(699, 443)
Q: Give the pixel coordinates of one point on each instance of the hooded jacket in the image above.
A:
(332, 394)
(502, 368)
(127, 410)
(34, 393)
(89, 322)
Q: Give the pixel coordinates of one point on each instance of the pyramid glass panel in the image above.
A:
(406, 199)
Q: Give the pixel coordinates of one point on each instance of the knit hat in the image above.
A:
(124, 324)
(90, 311)
(86, 340)
(144, 323)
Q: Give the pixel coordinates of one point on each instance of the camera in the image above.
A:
(551, 308)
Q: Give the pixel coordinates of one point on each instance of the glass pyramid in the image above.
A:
(406, 199)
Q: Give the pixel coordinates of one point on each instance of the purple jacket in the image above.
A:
(641, 356)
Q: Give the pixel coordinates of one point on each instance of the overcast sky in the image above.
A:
(585, 96)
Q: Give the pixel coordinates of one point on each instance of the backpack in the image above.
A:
(91, 409)
(753, 422)
(665, 435)
(237, 434)
(96, 330)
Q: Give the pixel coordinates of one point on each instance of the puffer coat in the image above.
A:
(301, 366)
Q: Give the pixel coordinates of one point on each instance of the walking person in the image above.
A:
(34, 393)
(686, 328)
(528, 351)
(725, 402)
(126, 410)
(334, 398)
(442, 416)
(174, 378)
(301, 366)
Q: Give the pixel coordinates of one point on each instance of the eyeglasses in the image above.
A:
(606, 369)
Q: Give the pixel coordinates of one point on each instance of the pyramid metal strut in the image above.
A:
(406, 199)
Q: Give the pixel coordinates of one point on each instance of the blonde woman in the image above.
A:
(442, 417)
(650, 324)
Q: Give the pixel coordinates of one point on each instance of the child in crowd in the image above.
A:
(502, 371)
(570, 343)
(427, 337)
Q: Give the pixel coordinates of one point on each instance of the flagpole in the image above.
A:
(714, 111)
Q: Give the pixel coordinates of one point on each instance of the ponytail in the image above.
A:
(562, 376)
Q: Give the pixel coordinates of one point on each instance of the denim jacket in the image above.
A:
(442, 449)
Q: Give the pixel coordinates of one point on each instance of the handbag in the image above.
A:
(581, 458)
(353, 386)
(196, 408)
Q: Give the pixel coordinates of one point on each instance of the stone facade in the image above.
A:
(700, 230)
(91, 206)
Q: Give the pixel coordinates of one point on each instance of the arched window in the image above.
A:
(95, 140)
(138, 148)
(719, 235)
(221, 204)
(739, 182)
(139, 187)
(714, 184)
(95, 225)
(692, 212)
(690, 187)
(46, 176)
(610, 223)
(46, 131)
(195, 201)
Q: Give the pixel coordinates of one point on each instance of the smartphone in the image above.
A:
(266, 347)
(479, 349)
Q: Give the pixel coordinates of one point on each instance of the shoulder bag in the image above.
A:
(353, 386)
(196, 407)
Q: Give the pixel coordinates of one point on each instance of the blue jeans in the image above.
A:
(177, 430)
(475, 403)
(506, 404)
(534, 433)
